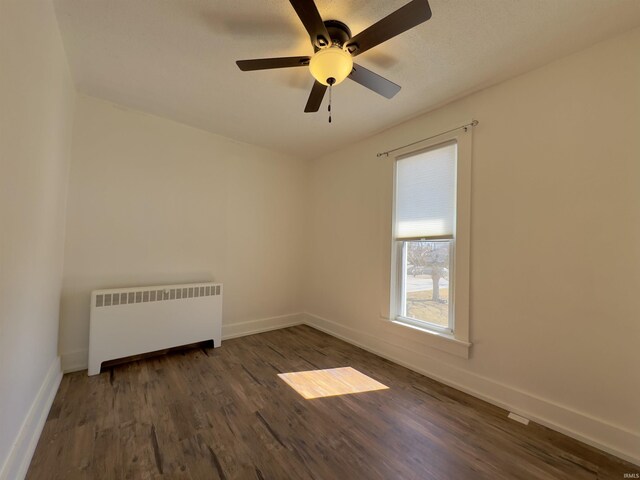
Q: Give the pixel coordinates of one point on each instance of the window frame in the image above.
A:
(456, 339)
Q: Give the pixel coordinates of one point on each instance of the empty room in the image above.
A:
(319, 239)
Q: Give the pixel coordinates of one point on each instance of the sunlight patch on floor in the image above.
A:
(330, 382)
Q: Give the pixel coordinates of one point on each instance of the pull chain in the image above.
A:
(330, 102)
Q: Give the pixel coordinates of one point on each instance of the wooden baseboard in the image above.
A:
(592, 431)
(595, 432)
(16, 464)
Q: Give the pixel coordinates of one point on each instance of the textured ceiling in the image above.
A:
(176, 59)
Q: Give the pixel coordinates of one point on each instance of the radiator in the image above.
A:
(132, 321)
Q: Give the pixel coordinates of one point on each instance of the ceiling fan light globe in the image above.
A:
(331, 63)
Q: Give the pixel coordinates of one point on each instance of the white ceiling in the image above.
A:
(176, 59)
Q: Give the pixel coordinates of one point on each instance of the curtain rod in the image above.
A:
(465, 126)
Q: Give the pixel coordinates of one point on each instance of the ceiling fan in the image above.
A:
(335, 48)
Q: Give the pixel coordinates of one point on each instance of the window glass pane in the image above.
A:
(427, 282)
(426, 193)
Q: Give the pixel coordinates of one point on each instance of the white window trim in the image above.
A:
(457, 341)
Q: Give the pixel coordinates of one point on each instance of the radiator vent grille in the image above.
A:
(155, 295)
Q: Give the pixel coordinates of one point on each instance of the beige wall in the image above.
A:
(36, 108)
(156, 202)
(555, 268)
(555, 232)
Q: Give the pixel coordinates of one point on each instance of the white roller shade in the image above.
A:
(426, 194)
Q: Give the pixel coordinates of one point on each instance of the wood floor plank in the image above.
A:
(225, 414)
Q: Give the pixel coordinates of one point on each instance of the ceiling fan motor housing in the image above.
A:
(338, 31)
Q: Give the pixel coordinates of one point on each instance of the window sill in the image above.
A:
(444, 341)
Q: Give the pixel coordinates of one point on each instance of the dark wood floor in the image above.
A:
(224, 413)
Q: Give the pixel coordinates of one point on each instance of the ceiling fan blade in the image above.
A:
(403, 19)
(312, 21)
(266, 63)
(315, 97)
(373, 81)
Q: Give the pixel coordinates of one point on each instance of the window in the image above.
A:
(430, 261)
(427, 286)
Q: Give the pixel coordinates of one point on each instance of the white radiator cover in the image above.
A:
(132, 321)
